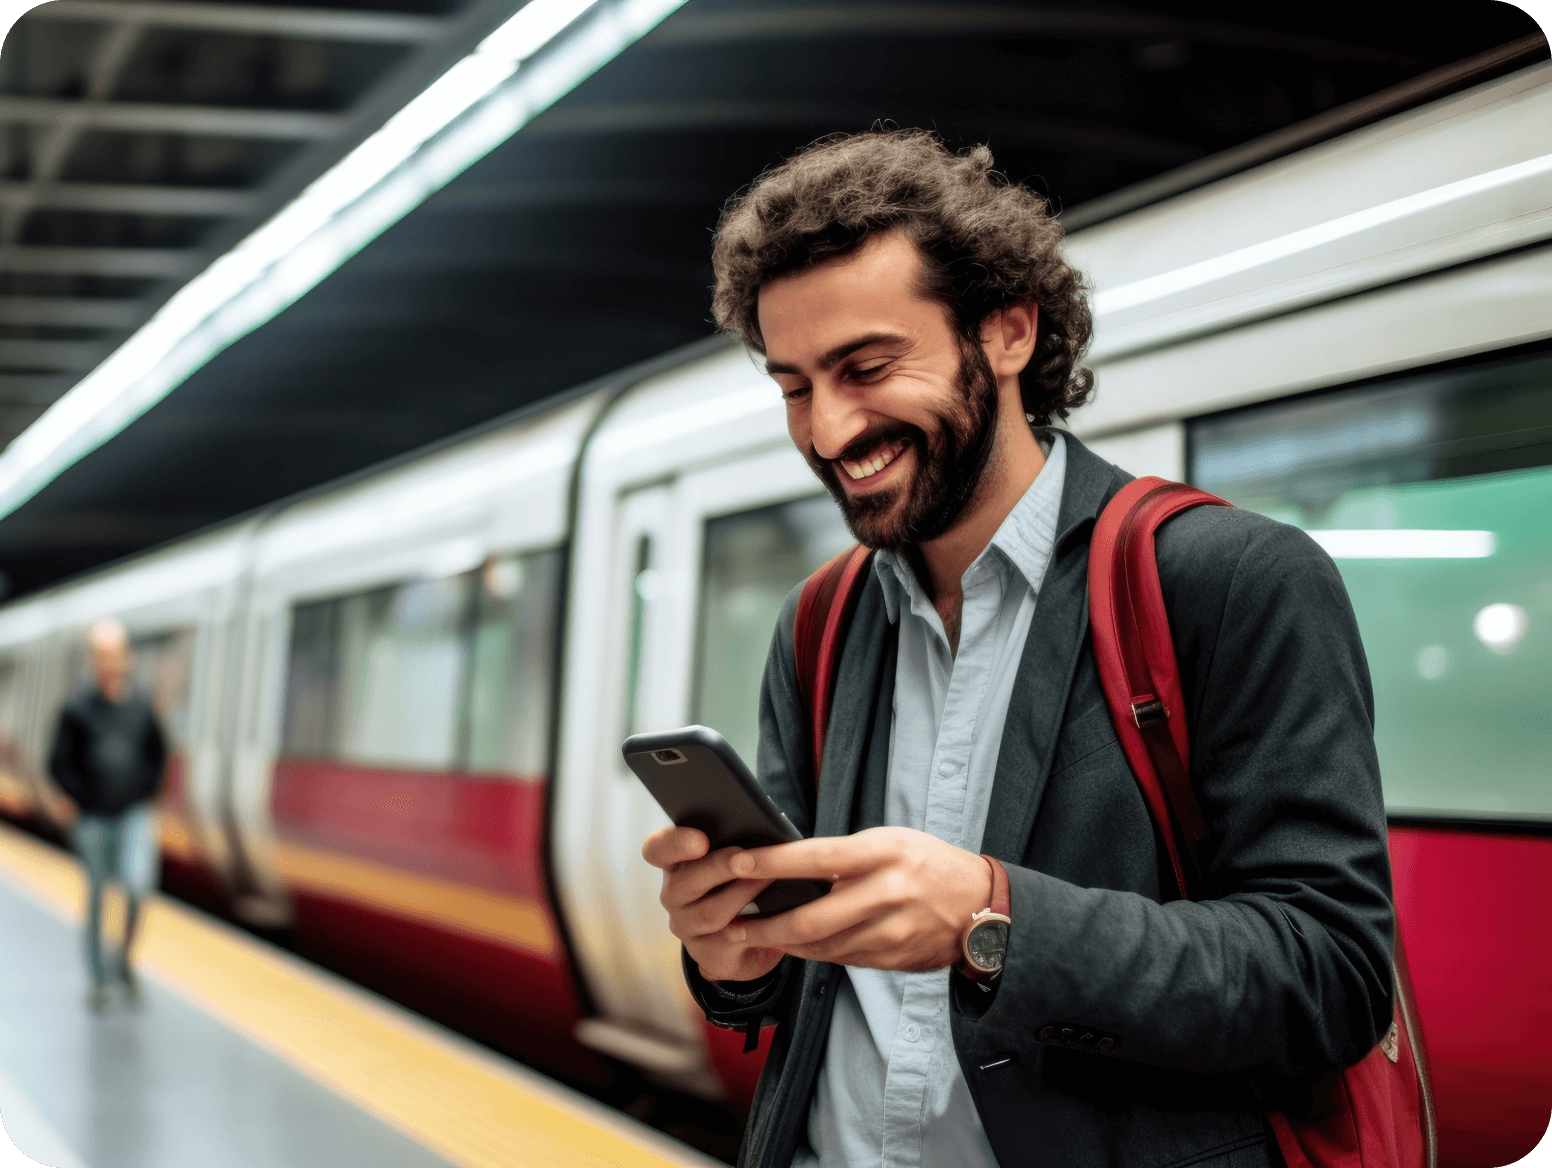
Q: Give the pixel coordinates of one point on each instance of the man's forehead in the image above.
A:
(868, 296)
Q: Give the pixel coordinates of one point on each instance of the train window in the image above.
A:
(402, 655)
(645, 583)
(1433, 493)
(311, 681)
(752, 561)
(433, 674)
(162, 664)
(511, 688)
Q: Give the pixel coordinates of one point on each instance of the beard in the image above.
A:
(951, 460)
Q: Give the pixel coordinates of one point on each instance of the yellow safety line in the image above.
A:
(461, 1102)
(479, 912)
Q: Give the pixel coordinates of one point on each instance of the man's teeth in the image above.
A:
(871, 466)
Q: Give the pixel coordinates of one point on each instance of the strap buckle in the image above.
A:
(1147, 708)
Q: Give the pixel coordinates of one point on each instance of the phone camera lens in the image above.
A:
(667, 757)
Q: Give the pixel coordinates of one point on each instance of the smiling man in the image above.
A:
(924, 330)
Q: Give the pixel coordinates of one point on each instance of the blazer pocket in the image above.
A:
(1087, 734)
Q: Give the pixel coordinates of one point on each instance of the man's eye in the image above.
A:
(794, 395)
(863, 372)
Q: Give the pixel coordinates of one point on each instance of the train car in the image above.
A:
(397, 703)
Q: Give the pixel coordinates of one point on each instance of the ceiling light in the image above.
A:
(1406, 544)
(522, 68)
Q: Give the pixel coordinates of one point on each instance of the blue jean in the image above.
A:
(119, 849)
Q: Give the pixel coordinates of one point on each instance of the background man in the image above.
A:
(108, 756)
(924, 330)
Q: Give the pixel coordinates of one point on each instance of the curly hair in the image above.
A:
(985, 244)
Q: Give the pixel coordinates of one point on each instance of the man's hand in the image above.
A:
(901, 899)
(703, 895)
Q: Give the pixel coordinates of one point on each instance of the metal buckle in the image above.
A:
(1147, 708)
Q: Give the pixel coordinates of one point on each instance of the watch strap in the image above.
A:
(1001, 905)
(1002, 897)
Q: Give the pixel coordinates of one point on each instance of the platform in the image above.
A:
(241, 1054)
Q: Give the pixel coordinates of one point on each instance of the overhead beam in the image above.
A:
(179, 119)
(148, 200)
(162, 262)
(320, 23)
(77, 356)
(749, 24)
(16, 418)
(34, 389)
(76, 311)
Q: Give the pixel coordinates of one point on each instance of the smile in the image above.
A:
(869, 467)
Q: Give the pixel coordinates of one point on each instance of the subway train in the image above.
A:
(397, 702)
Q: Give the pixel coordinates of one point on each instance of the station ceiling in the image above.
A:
(141, 138)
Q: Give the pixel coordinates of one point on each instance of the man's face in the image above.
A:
(896, 413)
(110, 666)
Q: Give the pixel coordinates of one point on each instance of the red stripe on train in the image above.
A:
(454, 850)
(1473, 907)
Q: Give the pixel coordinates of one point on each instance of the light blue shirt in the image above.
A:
(890, 1093)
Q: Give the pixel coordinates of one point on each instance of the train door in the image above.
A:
(630, 605)
(677, 629)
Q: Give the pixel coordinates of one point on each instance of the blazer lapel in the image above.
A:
(1050, 659)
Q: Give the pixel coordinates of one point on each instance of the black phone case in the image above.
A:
(711, 789)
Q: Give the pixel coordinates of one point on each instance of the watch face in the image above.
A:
(987, 945)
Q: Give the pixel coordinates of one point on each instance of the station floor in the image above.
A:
(241, 1055)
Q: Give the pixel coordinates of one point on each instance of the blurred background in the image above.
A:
(357, 355)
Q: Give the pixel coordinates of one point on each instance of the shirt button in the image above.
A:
(912, 1032)
(946, 768)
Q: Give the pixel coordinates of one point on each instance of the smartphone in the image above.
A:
(701, 782)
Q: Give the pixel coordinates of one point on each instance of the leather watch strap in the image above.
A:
(1002, 898)
(1000, 906)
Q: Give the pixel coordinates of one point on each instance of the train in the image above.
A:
(396, 702)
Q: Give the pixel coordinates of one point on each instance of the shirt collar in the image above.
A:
(1024, 541)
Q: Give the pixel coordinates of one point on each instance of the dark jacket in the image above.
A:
(107, 756)
(1215, 1009)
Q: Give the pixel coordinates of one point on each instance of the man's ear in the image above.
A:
(1008, 337)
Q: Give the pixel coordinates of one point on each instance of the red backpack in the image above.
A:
(1377, 1114)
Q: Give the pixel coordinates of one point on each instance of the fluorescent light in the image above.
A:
(1406, 544)
(1195, 275)
(1501, 627)
(536, 57)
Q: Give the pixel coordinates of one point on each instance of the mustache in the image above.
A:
(869, 440)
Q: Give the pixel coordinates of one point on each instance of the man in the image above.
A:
(109, 756)
(923, 328)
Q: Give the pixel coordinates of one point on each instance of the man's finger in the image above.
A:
(844, 907)
(824, 858)
(714, 912)
(674, 845)
(687, 882)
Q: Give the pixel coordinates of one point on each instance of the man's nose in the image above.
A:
(836, 420)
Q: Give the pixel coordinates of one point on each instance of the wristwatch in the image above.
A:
(984, 947)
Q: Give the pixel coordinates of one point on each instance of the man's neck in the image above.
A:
(941, 564)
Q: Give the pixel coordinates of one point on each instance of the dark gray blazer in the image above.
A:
(1215, 1009)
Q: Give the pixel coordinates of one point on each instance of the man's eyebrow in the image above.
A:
(831, 358)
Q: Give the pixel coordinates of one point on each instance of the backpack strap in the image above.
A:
(1135, 657)
(824, 613)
